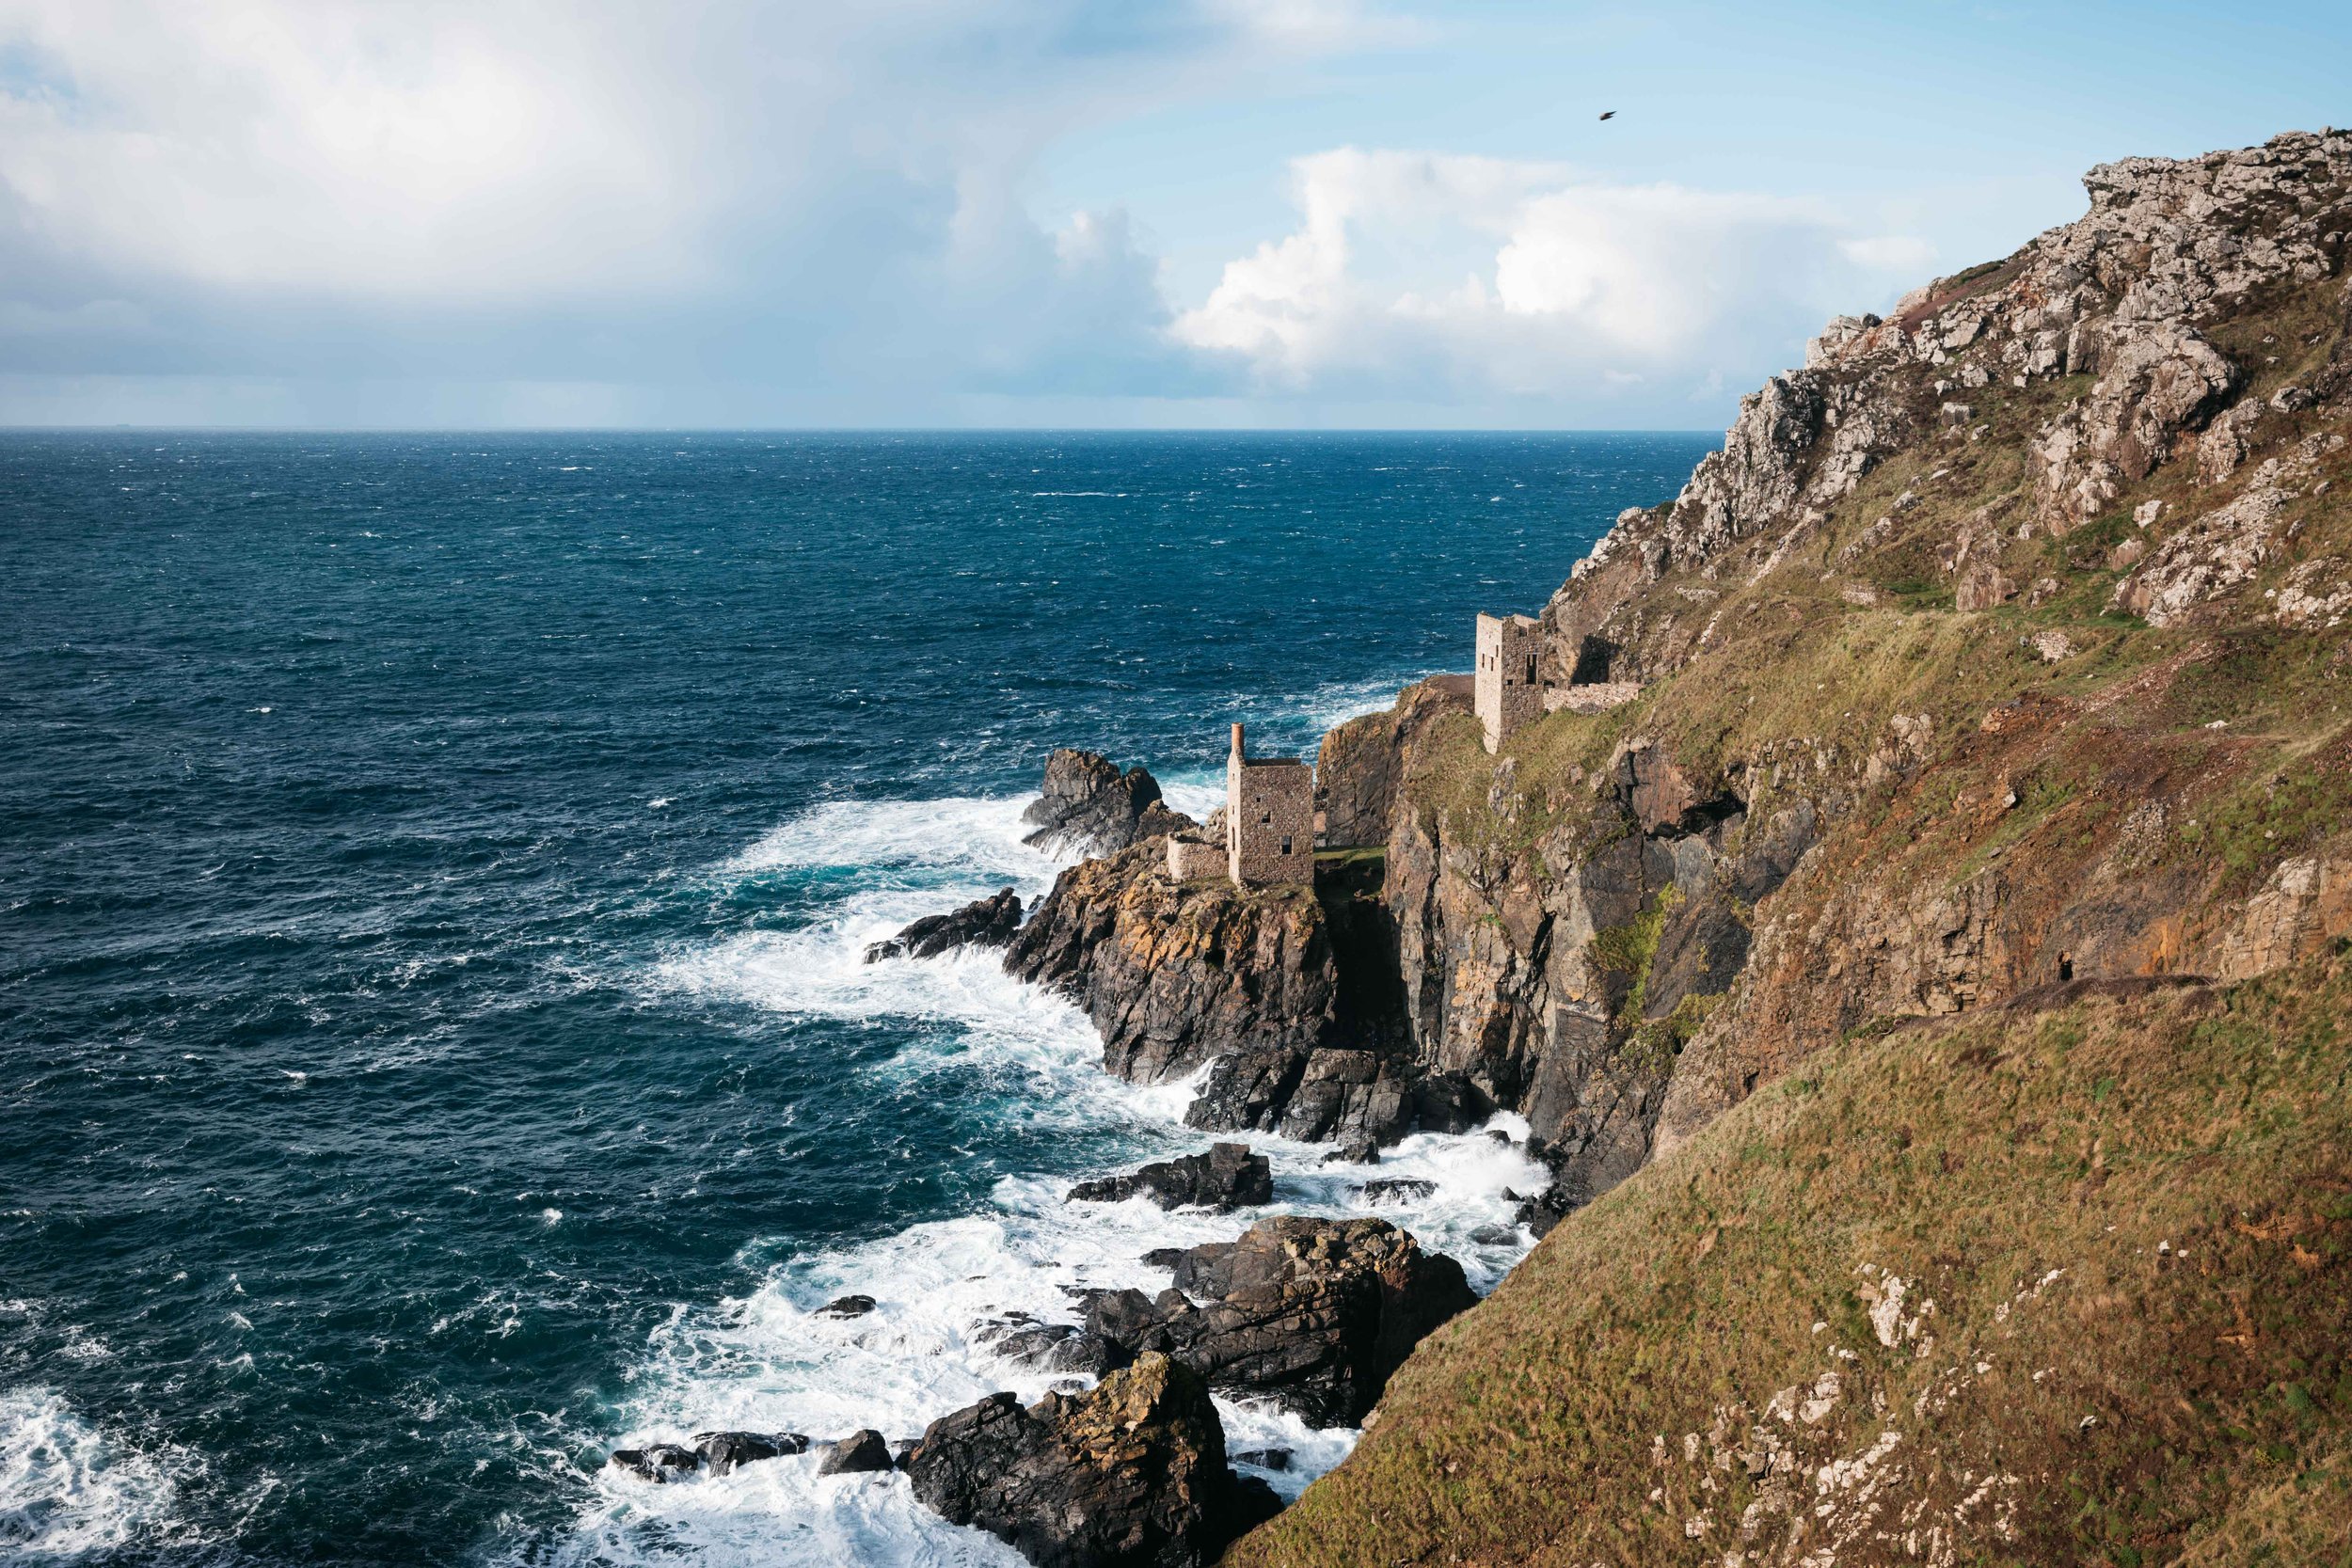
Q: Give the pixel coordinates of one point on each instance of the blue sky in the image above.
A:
(918, 213)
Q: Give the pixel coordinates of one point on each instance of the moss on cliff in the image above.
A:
(2072, 1285)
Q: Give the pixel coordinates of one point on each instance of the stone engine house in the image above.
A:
(1505, 693)
(1270, 825)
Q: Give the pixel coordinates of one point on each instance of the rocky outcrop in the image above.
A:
(1175, 975)
(989, 922)
(1312, 1314)
(863, 1452)
(1089, 807)
(718, 1454)
(2163, 380)
(1227, 1176)
(1360, 766)
(1131, 1475)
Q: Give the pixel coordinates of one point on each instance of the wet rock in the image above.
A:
(1313, 1314)
(1495, 1235)
(1132, 1475)
(1356, 1152)
(1053, 1347)
(863, 1452)
(657, 1462)
(1089, 807)
(1161, 1257)
(1398, 1189)
(989, 922)
(723, 1451)
(1227, 1176)
(1265, 1459)
(847, 1306)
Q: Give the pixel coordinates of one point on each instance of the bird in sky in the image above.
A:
(1610, 115)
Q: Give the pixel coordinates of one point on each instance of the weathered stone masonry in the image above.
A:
(1508, 693)
(1269, 819)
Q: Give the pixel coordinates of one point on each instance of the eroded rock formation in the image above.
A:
(1089, 807)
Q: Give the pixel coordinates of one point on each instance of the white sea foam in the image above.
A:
(774, 1360)
(69, 1488)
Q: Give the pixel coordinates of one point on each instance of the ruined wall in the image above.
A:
(1270, 823)
(1508, 692)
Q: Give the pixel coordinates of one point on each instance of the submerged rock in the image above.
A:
(1313, 1314)
(1227, 1176)
(1089, 807)
(1398, 1189)
(723, 1451)
(657, 1462)
(989, 922)
(1132, 1475)
(847, 1306)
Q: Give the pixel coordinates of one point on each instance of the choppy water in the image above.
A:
(433, 1048)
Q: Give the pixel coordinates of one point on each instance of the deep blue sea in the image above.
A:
(433, 1047)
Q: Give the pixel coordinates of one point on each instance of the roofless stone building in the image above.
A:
(1506, 693)
(1270, 825)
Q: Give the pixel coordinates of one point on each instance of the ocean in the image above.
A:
(434, 1047)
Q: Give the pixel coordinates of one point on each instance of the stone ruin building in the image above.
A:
(1506, 693)
(1270, 825)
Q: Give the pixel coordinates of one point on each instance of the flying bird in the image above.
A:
(1610, 115)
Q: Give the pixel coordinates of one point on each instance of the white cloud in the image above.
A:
(1524, 279)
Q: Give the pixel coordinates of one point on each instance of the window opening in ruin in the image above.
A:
(1531, 668)
(1286, 846)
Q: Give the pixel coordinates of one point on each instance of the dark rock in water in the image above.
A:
(657, 1462)
(860, 1454)
(847, 1306)
(1359, 1151)
(722, 1452)
(1161, 1257)
(1266, 1459)
(989, 922)
(1089, 807)
(1546, 1209)
(902, 1450)
(1398, 1189)
(1495, 1235)
(1449, 1102)
(1314, 1314)
(1132, 1475)
(1227, 1176)
(1497, 1134)
(1053, 1347)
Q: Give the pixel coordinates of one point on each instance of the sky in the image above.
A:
(1285, 214)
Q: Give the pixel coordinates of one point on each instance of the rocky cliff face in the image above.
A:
(2001, 645)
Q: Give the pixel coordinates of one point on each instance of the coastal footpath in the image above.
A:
(1913, 929)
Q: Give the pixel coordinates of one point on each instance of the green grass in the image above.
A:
(2132, 1218)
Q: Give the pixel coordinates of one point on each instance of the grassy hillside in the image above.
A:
(2068, 1281)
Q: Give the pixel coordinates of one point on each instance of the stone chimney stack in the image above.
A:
(1235, 755)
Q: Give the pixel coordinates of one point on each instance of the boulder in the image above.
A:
(863, 1452)
(1131, 1475)
(657, 1462)
(989, 922)
(723, 1451)
(847, 1306)
(1089, 807)
(1052, 1347)
(1227, 1176)
(1313, 1314)
(1161, 1257)
(1398, 1189)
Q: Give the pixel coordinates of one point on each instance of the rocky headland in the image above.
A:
(1913, 931)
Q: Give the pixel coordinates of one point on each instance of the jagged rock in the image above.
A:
(1311, 1313)
(2208, 557)
(1265, 1459)
(847, 1306)
(1398, 1189)
(1361, 763)
(723, 1451)
(989, 922)
(2162, 380)
(1161, 1257)
(1051, 1347)
(1227, 1176)
(1089, 807)
(863, 1452)
(657, 1462)
(1176, 975)
(1132, 1475)
(1358, 1151)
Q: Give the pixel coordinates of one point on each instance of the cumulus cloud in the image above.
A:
(1490, 277)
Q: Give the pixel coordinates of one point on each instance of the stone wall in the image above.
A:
(1270, 822)
(1193, 858)
(1508, 692)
